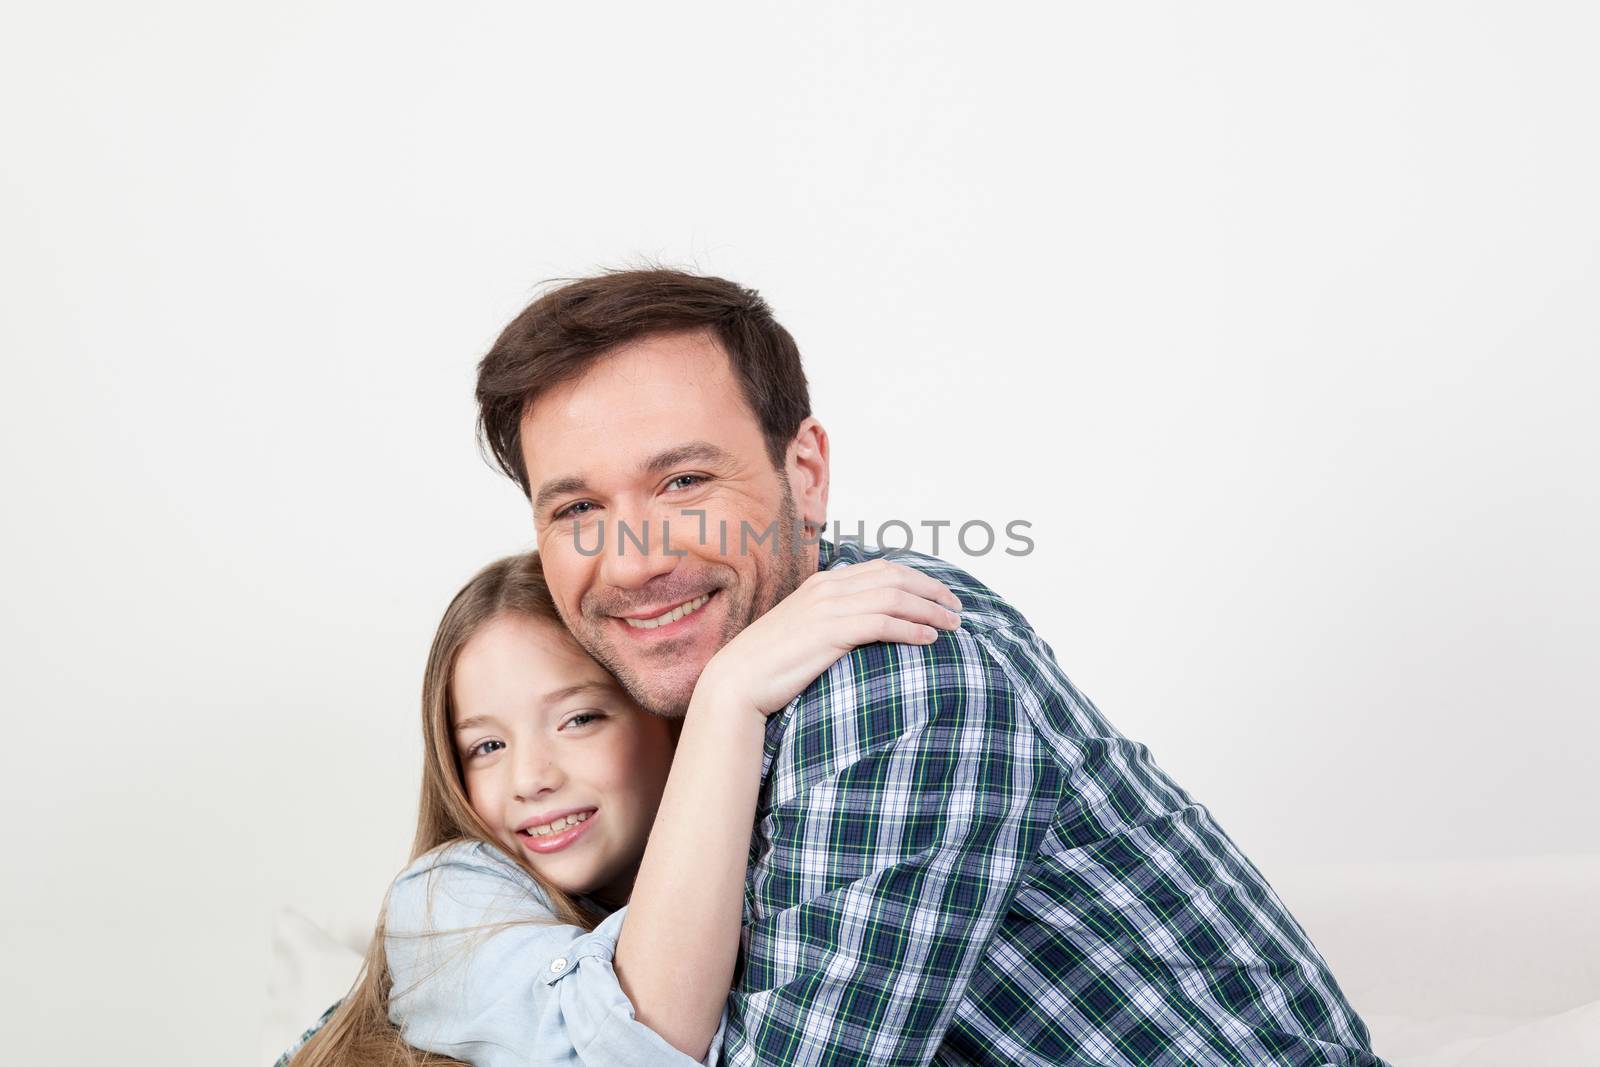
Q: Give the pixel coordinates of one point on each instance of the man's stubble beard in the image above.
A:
(789, 572)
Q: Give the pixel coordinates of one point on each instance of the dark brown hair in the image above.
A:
(564, 332)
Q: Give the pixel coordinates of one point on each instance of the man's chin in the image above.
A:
(662, 679)
(655, 701)
(660, 687)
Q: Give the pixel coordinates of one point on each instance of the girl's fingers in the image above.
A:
(881, 573)
(905, 632)
(870, 629)
(903, 605)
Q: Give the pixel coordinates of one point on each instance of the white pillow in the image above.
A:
(1570, 1039)
(1402, 1040)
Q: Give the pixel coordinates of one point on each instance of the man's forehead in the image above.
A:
(661, 392)
(640, 383)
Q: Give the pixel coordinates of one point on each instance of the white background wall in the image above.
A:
(1279, 323)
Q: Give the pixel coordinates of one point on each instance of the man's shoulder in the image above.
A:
(995, 665)
(890, 705)
(876, 692)
(982, 609)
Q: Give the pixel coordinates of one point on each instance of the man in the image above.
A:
(956, 858)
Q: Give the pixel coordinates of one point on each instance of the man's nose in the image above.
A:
(637, 551)
(537, 773)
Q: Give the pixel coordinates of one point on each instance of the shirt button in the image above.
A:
(558, 964)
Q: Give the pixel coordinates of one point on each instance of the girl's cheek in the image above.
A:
(479, 794)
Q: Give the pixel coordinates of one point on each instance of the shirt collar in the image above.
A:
(825, 553)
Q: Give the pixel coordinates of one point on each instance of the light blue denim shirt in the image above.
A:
(484, 973)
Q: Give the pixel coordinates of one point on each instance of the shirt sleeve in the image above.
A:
(905, 799)
(482, 972)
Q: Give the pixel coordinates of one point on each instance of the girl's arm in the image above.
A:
(478, 961)
(676, 952)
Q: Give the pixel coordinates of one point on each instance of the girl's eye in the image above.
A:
(583, 718)
(484, 748)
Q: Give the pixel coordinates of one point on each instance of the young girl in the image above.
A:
(550, 800)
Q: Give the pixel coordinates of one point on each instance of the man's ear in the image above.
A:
(808, 473)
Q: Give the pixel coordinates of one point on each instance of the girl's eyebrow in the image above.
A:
(553, 697)
(593, 685)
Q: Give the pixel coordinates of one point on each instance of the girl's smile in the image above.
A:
(561, 766)
(546, 835)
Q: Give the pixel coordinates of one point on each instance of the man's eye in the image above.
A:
(484, 748)
(692, 479)
(571, 510)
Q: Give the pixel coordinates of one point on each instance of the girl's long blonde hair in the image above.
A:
(359, 1033)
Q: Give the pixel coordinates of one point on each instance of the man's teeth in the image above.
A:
(672, 616)
(558, 825)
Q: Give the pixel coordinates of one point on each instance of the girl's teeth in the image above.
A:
(558, 825)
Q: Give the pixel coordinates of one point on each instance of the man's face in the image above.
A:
(654, 434)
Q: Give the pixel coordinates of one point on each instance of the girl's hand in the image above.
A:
(777, 656)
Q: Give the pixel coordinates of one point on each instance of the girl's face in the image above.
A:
(560, 765)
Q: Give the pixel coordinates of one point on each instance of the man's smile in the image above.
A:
(651, 620)
(674, 620)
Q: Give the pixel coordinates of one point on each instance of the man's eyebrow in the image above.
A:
(555, 697)
(692, 452)
(558, 488)
(666, 459)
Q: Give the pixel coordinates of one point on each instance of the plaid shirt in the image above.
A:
(957, 860)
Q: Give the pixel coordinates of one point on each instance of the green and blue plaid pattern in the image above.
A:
(957, 860)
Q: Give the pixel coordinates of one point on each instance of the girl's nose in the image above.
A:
(537, 774)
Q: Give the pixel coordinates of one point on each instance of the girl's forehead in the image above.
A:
(516, 661)
(514, 637)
